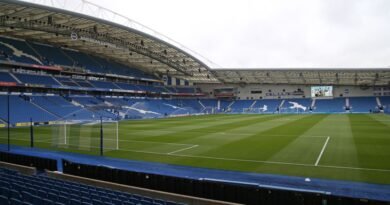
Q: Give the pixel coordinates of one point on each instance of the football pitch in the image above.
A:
(352, 147)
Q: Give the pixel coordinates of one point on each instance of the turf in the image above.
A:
(332, 146)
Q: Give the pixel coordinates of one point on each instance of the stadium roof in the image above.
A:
(132, 43)
(100, 37)
(318, 76)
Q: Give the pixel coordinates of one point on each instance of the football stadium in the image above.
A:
(95, 111)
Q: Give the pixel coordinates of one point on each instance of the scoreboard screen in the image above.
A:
(321, 91)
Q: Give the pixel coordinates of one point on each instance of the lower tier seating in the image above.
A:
(19, 189)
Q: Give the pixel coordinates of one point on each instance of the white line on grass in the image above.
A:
(151, 142)
(322, 151)
(182, 149)
(232, 159)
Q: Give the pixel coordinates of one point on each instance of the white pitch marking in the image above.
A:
(322, 151)
(168, 143)
(240, 160)
(183, 149)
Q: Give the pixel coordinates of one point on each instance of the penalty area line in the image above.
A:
(322, 151)
(187, 148)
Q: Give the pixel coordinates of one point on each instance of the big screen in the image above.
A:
(321, 91)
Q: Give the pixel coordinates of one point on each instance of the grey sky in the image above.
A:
(271, 33)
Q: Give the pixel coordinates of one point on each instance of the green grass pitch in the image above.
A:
(332, 146)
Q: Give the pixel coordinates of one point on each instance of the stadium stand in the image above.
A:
(17, 188)
(385, 100)
(18, 51)
(52, 55)
(363, 104)
(240, 105)
(60, 107)
(67, 81)
(271, 105)
(23, 115)
(335, 105)
(111, 72)
(296, 105)
(83, 83)
(103, 84)
(6, 77)
(126, 86)
(84, 60)
(36, 79)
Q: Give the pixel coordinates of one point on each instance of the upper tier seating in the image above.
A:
(36, 53)
(116, 68)
(19, 51)
(150, 88)
(103, 84)
(126, 86)
(363, 104)
(18, 189)
(52, 55)
(330, 105)
(36, 79)
(84, 60)
(67, 81)
(83, 83)
(6, 77)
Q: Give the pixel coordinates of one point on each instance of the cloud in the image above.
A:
(277, 33)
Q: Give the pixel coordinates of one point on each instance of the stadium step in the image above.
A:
(66, 55)
(281, 103)
(201, 104)
(55, 79)
(253, 104)
(230, 105)
(38, 106)
(378, 101)
(75, 103)
(35, 51)
(14, 77)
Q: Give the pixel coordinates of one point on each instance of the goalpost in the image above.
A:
(85, 134)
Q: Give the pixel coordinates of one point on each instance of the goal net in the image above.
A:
(85, 135)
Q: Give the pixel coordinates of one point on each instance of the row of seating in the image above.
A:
(43, 108)
(49, 81)
(334, 105)
(36, 53)
(18, 189)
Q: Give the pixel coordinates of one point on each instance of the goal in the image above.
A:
(87, 135)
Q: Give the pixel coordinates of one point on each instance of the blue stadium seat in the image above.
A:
(4, 191)
(37, 200)
(52, 196)
(6, 77)
(4, 200)
(74, 202)
(75, 194)
(63, 199)
(15, 194)
(15, 201)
